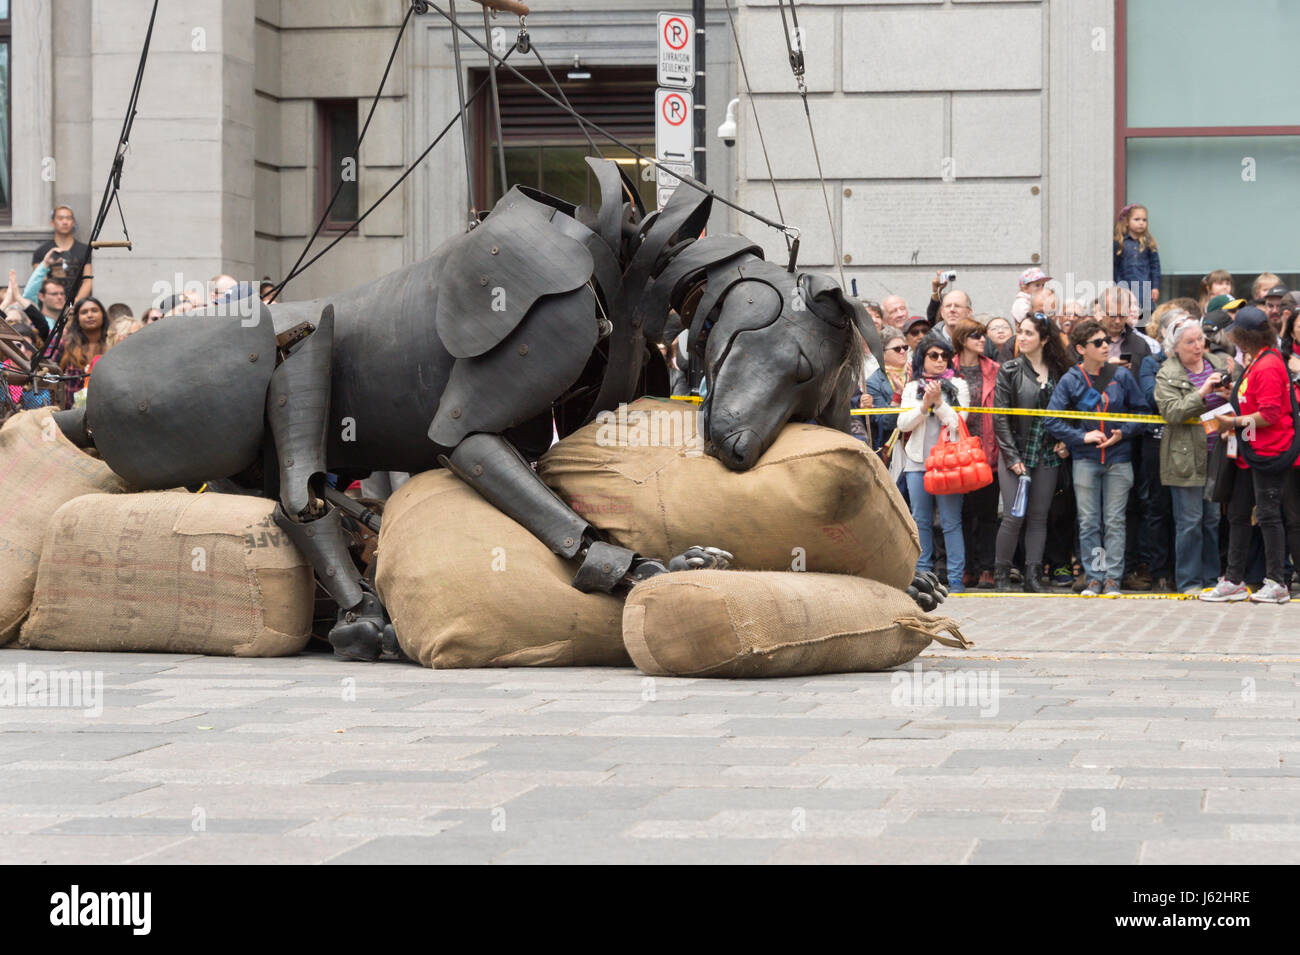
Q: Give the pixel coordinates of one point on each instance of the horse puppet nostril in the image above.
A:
(736, 450)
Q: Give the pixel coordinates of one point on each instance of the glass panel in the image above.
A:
(4, 9)
(1206, 63)
(564, 173)
(1219, 202)
(4, 121)
(521, 169)
(342, 121)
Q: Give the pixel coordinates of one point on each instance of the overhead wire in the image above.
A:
(110, 195)
(400, 179)
(294, 271)
(689, 180)
(794, 47)
(749, 92)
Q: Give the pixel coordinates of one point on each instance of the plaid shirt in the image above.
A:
(1038, 452)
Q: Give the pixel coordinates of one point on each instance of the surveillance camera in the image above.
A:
(727, 131)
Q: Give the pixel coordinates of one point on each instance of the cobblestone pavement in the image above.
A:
(1114, 731)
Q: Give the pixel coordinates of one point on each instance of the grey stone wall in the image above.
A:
(966, 135)
(970, 135)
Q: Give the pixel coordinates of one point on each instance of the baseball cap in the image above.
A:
(1275, 290)
(1225, 302)
(915, 319)
(1033, 275)
(1249, 319)
(1216, 321)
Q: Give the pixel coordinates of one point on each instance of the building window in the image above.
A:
(545, 147)
(6, 144)
(1210, 148)
(338, 167)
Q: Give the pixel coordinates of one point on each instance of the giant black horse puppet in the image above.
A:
(543, 312)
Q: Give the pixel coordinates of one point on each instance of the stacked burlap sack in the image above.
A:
(92, 567)
(40, 470)
(466, 586)
(170, 573)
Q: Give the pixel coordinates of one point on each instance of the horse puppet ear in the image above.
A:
(823, 290)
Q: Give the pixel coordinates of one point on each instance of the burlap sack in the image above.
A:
(40, 470)
(728, 623)
(818, 500)
(171, 573)
(468, 587)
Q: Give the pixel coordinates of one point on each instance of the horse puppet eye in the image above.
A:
(804, 371)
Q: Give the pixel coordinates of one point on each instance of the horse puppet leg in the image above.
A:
(297, 405)
(492, 466)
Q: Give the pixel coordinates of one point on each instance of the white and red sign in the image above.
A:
(674, 128)
(677, 50)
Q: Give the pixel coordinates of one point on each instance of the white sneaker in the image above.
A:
(1271, 593)
(1193, 591)
(1092, 590)
(1226, 592)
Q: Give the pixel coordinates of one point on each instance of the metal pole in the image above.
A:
(700, 101)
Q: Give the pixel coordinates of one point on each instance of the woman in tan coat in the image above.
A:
(1184, 390)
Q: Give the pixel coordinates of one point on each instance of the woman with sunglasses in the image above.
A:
(884, 387)
(980, 509)
(1027, 381)
(1101, 450)
(927, 407)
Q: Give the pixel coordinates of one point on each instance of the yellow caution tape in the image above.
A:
(1033, 412)
(1041, 413)
(992, 593)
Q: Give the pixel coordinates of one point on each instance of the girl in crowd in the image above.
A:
(980, 509)
(1027, 381)
(1136, 261)
(85, 340)
(1264, 427)
(1184, 389)
(927, 407)
(1002, 336)
(1218, 282)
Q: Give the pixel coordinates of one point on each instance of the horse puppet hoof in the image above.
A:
(364, 632)
(701, 558)
(927, 590)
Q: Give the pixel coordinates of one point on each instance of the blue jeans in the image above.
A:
(1101, 492)
(1196, 538)
(950, 519)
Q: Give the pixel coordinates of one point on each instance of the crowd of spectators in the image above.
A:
(1096, 505)
(1205, 502)
(32, 307)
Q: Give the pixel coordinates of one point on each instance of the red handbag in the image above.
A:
(957, 467)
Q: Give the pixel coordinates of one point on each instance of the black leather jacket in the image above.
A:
(1017, 386)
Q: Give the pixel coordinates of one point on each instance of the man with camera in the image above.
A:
(952, 306)
(66, 254)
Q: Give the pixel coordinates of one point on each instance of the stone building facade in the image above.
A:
(976, 136)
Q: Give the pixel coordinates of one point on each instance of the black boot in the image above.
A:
(1034, 579)
(1002, 578)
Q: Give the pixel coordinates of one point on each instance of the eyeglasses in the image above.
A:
(897, 348)
(935, 356)
(1096, 342)
(977, 335)
(917, 331)
(1044, 316)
